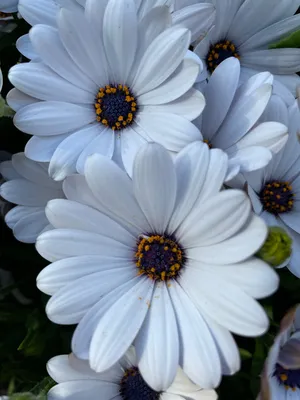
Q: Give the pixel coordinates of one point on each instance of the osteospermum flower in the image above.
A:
(164, 261)
(275, 189)
(245, 29)
(30, 188)
(281, 375)
(8, 6)
(122, 382)
(229, 120)
(131, 85)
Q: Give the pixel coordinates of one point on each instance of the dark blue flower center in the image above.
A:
(277, 197)
(115, 106)
(133, 387)
(159, 257)
(289, 378)
(220, 52)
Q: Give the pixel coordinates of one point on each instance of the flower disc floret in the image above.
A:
(290, 378)
(115, 106)
(159, 257)
(133, 387)
(277, 197)
(220, 52)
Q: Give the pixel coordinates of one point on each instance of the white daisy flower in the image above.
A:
(275, 189)
(131, 264)
(281, 375)
(245, 29)
(29, 186)
(122, 382)
(229, 120)
(133, 85)
(8, 6)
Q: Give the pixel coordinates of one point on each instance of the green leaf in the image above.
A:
(245, 354)
(292, 40)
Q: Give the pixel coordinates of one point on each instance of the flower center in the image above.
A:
(208, 143)
(290, 378)
(5, 15)
(133, 387)
(220, 52)
(115, 106)
(277, 197)
(159, 257)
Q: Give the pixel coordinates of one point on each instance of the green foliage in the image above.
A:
(292, 40)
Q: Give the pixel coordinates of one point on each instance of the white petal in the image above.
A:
(69, 368)
(117, 198)
(53, 118)
(39, 81)
(191, 166)
(219, 95)
(250, 158)
(62, 272)
(72, 215)
(8, 171)
(154, 182)
(131, 143)
(84, 332)
(232, 308)
(175, 86)
(42, 148)
(189, 106)
(29, 227)
(120, 37)
(271, 135)
(246, 110)
(235, 249)
(25, 47)
(277, 61)
(196, 17)
(77, 390)
(222, 216)
(103, 143)
(78, 39)
(115, 333)
(69, 304)
(63, 243)
(48, 45)
(161, 59)
(16, 99)
(198, 356)
(45, 13)
(170, 130)
(26, 193)
(64, 159)
(19, 212)
(157, 344)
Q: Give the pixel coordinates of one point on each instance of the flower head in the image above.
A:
(245, 30)
(123, 381)
(274, 190)
(130, 86)
(281, 375)
(164, 261)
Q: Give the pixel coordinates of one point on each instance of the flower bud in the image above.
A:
(277, 247)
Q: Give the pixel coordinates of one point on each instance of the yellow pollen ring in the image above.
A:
(158, 257)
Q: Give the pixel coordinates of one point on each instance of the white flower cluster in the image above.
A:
(149, 182)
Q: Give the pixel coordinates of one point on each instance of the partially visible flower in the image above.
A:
(275, 190)
(8, 6)
(229, 120)
(165, 260)
(245, 29)
(281, 374)
(122, 382)
(277, 248)
(29, 186)
(132, 85)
